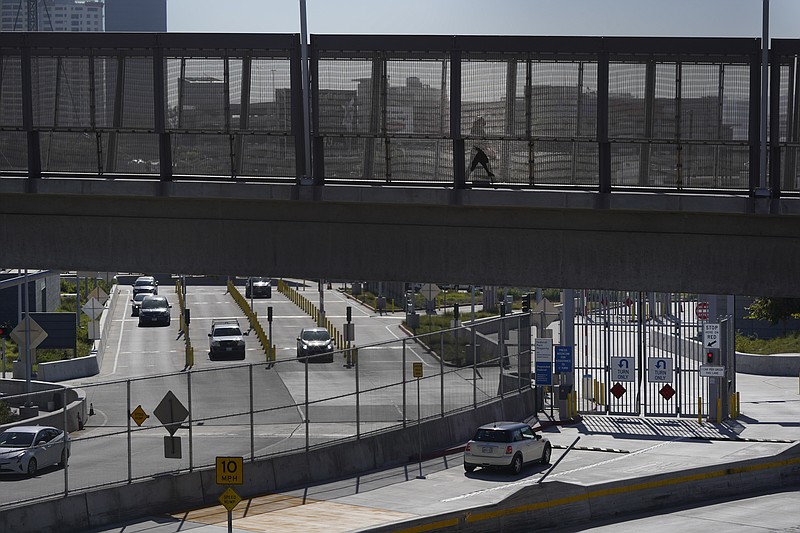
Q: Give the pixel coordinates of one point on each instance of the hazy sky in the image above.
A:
(699, 18)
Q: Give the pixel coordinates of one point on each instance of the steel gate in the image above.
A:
(639, 354)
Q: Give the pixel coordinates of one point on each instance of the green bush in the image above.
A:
(6, 415)
(752, 344)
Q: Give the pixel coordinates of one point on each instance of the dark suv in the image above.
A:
(154, 310)
(258, 288)
(315, 344)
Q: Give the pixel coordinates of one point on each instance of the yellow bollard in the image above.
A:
(602, 393)
(699, 410)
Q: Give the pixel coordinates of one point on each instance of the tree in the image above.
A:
(774, 309)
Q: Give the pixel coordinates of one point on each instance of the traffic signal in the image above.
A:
(526, 303)
(5, 330)
(712, 356)
(455, 311)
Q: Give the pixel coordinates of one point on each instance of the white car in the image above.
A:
(506, 444)
(26, 449)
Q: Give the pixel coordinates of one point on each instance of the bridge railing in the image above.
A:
(594, 113)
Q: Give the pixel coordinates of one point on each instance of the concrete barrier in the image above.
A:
(556, 504)
(184, 491)
(43, 394)
(786, 364)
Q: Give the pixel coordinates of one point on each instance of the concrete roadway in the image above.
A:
(134, 352)
(609, 449)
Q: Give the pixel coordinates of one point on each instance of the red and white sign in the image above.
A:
(702, 310)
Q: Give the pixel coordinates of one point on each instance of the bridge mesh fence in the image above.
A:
(681, 118)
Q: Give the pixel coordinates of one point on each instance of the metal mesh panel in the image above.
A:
(267, 155)
(563, 99)
(626, 103)
(13, 150)
(420, 160)
(270, 96)
(106, 70)
(10, 91)
(345, 97)
(69, 152)
(136, 153)
(203, 154)
(417, 98)
(138, 107)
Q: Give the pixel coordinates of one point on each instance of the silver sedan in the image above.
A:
(26, 449)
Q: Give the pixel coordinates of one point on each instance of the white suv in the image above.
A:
(506, 444)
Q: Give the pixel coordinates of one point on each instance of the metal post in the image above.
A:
(306, 404)
(441, 374)
(405, 402)
(28, 367)
(762, 178)
(128, 418)
(419, 433)
(304, 70)
(474, 351)
(358, 404)
(66, 442)
(189, 396)
(252, 424)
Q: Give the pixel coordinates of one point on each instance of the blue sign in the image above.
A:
(544, 373)
(564, 359)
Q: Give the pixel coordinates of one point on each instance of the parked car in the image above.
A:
(315, 344)
(226, 340)
(136, 302)
(506, 444)
(26, 449)
(145, 284)
(258, 288)
(154, 310)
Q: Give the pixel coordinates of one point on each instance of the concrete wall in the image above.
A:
(161, 494)
(47, 396)
(787, 365)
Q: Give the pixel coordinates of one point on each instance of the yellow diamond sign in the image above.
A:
(139, 416)
(229, 499)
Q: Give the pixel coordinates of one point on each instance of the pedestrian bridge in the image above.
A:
(619, 163)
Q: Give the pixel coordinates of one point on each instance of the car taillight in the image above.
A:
(468, 447)
(509, 450)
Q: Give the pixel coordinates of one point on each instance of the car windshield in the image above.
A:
(316, 335)
(141, 296)
(154, 303)
(143, 282)
(492, 435)
(16, 439)
(227, 332)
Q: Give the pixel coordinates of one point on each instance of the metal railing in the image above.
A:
(272, 408)
(594, 113)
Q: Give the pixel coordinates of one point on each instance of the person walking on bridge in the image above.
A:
(483, 152)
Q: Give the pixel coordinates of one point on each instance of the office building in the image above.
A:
(53, 15)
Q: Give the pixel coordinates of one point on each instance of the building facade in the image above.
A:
(53, 15)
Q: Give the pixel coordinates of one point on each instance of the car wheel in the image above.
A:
(548, 450)
(469, 467)
(63, 462)
(516, 464)
(32, 467)
(546, 454)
